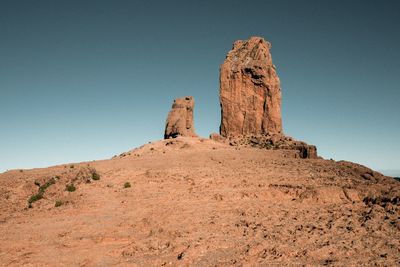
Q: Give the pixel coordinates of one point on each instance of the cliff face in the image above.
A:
(250, 98)
(250, 92)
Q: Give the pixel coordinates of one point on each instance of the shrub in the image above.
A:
(35, 198)
(58, 203)
(43, 187)
(41, 190)
(95, 175)
(70, 188)
(127, 185)
(72, 166)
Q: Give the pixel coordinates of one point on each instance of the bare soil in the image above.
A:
(196, 202)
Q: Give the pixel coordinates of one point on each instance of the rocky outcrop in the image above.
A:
(301, 149)
(217, 137)
(250, 98)
(180, 118)
(250, 92)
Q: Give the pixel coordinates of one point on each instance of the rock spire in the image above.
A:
(250, 92)
(180, 118)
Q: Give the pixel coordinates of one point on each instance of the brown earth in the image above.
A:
(197, 202)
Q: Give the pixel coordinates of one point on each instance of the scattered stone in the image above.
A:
(180, 255)
(217, 137)
(302, 149)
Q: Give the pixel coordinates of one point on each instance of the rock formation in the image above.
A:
(250, 98)
(250, 93)
(301, 149)
(180, 118)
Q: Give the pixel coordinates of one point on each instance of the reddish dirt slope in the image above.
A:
(198, 202)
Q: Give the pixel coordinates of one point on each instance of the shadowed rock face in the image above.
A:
(250, 93)
(180, 118)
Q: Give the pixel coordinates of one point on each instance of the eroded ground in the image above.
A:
(198, 202)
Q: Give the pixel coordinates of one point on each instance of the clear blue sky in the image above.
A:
(84, 80)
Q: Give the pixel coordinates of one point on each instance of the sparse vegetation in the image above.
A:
(70, 187)
(72, 166)
(41, 191)
(127, 184)
(43, 187)
(86, 174)
(35, 198)
(58, 203)
(95, 175)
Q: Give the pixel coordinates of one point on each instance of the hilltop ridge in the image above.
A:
(194, 201)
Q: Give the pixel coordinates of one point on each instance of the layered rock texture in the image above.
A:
(250, 98)
(250, 92)
(300, 148)
(180, 118)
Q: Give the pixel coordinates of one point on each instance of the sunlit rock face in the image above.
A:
(250, 92)
(180, 118)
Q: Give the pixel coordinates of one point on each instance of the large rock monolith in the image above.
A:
(180, 119)
(250, 92)
(250, 98)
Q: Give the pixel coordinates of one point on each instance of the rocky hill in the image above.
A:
(248, 196)
(191, 201)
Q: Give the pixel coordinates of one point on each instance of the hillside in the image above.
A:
(194, 201)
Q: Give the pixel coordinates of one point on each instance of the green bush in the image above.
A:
(58, 203)
(127, 185)
(43, 187)
(35, 198)
(70, 188)
(95, 175)
(41, 191)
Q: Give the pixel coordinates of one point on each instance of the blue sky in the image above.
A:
(84, 80)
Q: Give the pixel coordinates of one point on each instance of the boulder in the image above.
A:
(300, 149)
(307, 151)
